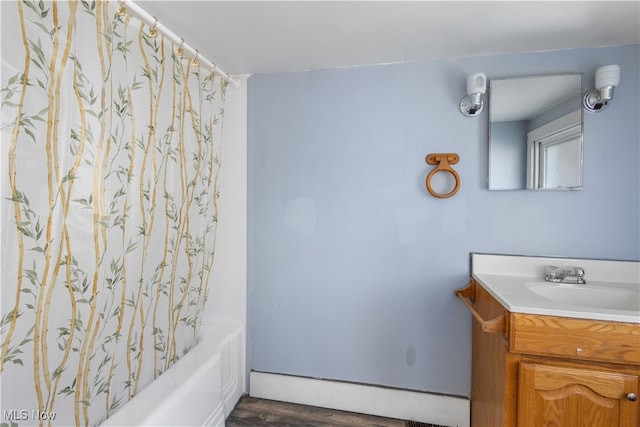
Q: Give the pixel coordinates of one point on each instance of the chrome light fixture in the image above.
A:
(607, 77)
(473, 104)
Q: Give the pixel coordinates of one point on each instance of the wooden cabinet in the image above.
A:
(535, 370)
(550, 395)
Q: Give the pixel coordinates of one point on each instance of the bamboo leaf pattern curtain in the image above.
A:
(110, 169)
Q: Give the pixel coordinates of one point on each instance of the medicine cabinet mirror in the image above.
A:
(535, 133)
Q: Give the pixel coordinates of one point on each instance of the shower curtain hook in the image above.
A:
(196, 61)
(153, 31)
(179, 50)
(122, 11)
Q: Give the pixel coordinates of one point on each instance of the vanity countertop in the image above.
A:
(612, 291)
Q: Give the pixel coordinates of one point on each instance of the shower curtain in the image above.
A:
(110, 166)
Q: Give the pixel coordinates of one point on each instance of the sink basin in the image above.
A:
(588, 295)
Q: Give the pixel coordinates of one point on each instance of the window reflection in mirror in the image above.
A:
(535, 133)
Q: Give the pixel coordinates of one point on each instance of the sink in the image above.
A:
(612, 292)
(606, 297)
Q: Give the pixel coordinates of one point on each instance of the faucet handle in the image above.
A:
(551, 274)
(579, 272)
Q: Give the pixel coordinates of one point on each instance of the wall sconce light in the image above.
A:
(473, 104)
(607, 77)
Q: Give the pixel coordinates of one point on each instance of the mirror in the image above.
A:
(535, 133)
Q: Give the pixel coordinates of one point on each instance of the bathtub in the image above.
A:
(200, 389)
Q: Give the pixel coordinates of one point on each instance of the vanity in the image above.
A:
(554, 354)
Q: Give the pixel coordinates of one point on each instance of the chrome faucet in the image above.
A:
(565, 275)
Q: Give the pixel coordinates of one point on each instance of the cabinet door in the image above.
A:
(559, 396)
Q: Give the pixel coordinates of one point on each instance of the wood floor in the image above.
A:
(252, 412)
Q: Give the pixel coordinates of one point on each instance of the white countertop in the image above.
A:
(508, 278)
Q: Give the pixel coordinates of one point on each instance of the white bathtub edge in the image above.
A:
(219, 353)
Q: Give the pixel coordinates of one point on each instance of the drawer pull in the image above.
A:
(632, 397)
(493, 326)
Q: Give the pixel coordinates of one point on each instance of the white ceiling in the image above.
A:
(274, 36)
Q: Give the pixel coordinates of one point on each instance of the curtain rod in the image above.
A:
(152, 21)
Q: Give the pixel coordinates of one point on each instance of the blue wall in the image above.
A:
(352, 264)
(508, 154)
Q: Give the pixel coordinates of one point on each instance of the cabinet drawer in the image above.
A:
(579, 339)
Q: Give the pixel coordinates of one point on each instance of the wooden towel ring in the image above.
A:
(443, 160)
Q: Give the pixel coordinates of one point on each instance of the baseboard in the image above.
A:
(364, 399)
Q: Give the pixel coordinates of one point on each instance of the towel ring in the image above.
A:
(443, 160)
